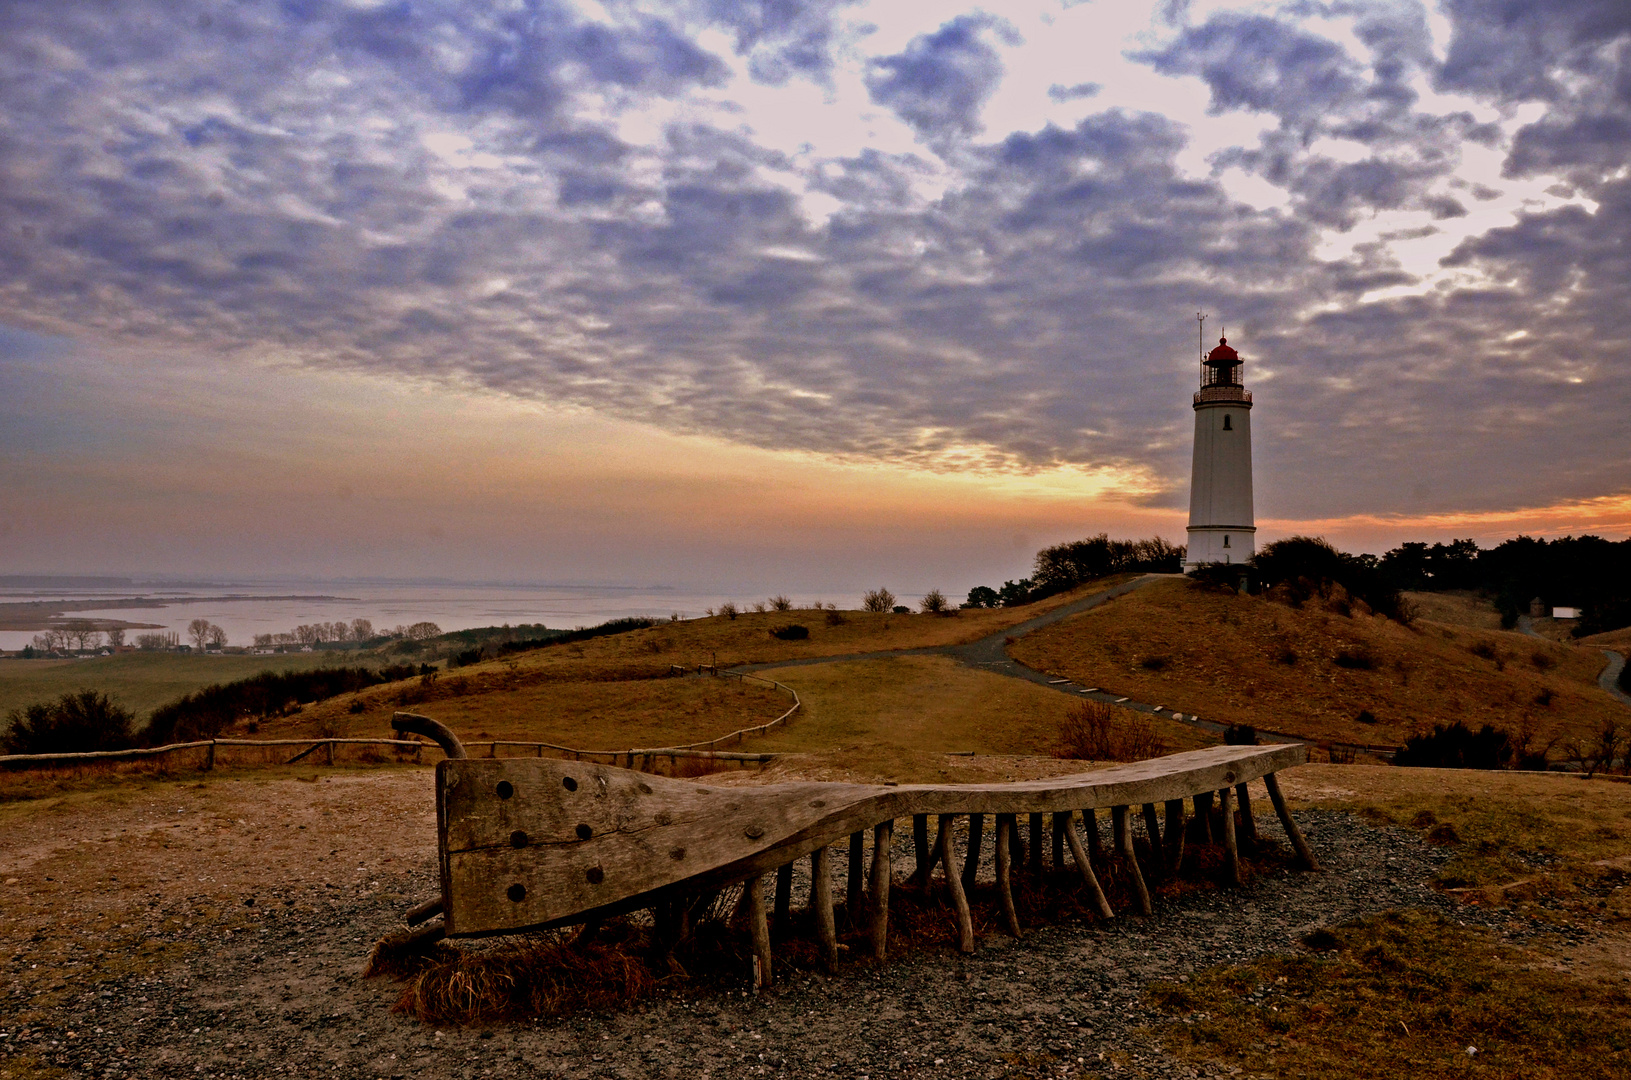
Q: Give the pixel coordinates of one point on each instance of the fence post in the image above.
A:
(330, 748)
(209, 756)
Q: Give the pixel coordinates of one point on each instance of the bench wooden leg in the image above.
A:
(1152, 829)
(971, 862)
(1036, 845)
(1172, 845)
(1095, 844)
(857, 875)
(1059, 842)
(1248, 823)
(759, 928)
(954, 885)
(882, 834)
(1007, 833)
(1305, 857)
(1094, 892)
(1203, 817)
(1229, 846)
(821, 902)
(1124, 844)
(921, 849)
(783, 914)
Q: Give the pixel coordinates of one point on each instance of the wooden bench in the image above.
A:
(527, 844)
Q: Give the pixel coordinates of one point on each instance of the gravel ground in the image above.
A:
(268, 985)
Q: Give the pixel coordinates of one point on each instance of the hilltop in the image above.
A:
(1326, 670)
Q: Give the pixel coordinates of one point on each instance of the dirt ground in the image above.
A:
(218, 928)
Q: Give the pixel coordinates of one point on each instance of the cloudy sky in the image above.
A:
(807, 294)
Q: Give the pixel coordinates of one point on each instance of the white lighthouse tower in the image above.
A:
(1221, 526)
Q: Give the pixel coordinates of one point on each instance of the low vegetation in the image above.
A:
(1063, 567)
(74, 723)
(1096, 731)
(1408, 993)
(1325, 670)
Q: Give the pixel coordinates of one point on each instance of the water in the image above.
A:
(244, 609)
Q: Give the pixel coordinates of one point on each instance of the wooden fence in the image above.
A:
(204, 753)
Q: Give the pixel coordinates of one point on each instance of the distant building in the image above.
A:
(1222, 528)
(1565, 613)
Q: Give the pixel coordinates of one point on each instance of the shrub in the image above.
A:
(1542, 661)
(1287, 657)
(934, 602)
(1240, 735)
(72, 724)
(1307, 566)
(790, 633)
(1096, 731)
(1357, 659)
(900, 609)
(983, 596)
(780, 603)
(1456, 746)
(878, 600)
(1365, 717)
(729, 610)
(836, 618)
(1154, 663)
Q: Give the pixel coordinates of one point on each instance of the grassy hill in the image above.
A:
(1313, 671)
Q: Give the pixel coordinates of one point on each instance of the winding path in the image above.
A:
(990, 653)
(1608, 678)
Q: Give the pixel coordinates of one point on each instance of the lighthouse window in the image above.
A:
(1226, 425)
(1225, 539)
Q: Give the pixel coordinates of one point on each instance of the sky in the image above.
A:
(798, 295)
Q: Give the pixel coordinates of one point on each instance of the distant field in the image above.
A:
(141, 681)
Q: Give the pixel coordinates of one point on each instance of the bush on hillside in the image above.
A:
(878, 600)
(1304, 567)
(72, 724)
(793, 632)
(205, 713)
(1097, 731)
(982, 596)
(934, 602)
(1456, 746)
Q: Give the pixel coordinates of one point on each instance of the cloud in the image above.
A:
(941, 80)
(605, 213)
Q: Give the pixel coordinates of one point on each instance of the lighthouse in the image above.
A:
(1221, 526)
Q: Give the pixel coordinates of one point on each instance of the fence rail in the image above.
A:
(636, 757)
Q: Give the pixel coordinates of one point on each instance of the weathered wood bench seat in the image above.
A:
(527, 844)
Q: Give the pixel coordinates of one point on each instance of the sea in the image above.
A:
(245, 608)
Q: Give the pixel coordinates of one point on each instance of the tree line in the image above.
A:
(1062, 567)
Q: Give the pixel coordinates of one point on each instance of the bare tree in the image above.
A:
(878, 600)
(217, 636)
(361, 629)
(199, 631)
(424, 631)
(306, 634)
(116, 636)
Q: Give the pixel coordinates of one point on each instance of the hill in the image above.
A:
(1320, 674)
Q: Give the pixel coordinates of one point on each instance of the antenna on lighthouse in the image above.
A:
(1200, 334)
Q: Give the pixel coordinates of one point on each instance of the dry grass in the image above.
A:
(1619, 640)
(1312, 672)
(1095, 731)
(1403, 994)
(1460, 608)
(587, 713)
(1553, 845)
(878, 711)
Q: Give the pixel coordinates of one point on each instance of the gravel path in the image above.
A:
(272, 989)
